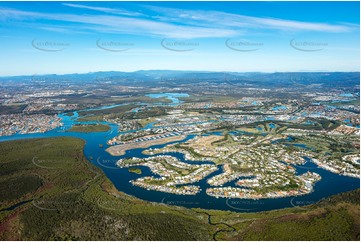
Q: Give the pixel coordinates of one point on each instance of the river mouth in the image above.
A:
(95, 151)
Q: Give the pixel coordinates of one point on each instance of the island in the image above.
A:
(135, 170)
(88, 128)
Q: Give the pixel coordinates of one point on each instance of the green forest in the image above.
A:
(49, 191)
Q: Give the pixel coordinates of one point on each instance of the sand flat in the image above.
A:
(118, 150)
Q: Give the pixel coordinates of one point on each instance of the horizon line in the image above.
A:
(266, 72)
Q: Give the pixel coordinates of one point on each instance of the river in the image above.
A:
(330, 183)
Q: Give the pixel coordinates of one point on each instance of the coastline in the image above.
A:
(121, 149)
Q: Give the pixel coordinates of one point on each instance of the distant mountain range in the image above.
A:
(169, 77)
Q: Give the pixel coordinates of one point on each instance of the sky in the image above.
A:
(81, 37)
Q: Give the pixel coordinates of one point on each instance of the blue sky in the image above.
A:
(79, 37)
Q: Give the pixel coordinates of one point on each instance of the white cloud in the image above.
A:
(169, 22)
(102, 9)
(207, 18)
(120, 24)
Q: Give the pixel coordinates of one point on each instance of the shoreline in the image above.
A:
(121, 149)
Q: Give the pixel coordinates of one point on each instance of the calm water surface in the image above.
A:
(330, 183)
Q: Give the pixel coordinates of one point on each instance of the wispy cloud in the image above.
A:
(169, 22)
(120, 24)
(55, 29)
(206, 18)
(105, 10)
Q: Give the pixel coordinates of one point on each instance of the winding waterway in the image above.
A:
(330, 183)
